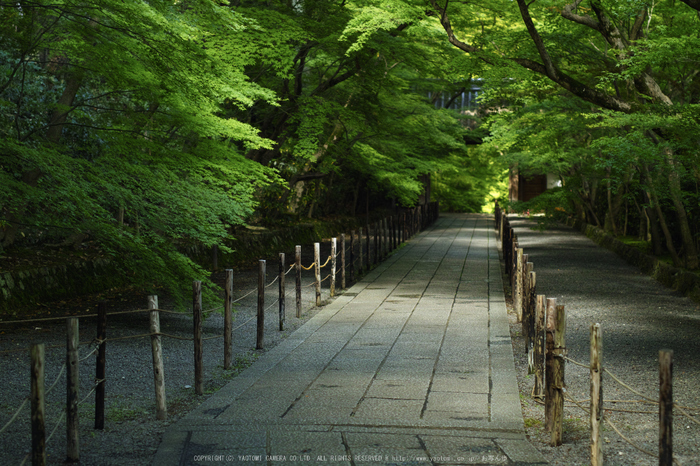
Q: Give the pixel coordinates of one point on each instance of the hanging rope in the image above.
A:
(327, 261)
(309, 267)
(14, 416)
(244, 296)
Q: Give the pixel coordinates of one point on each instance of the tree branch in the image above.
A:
(447, 26)
(568, 13)
(550, 70)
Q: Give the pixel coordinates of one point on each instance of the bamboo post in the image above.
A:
(228, 320)
(342, 261)
(157, 350)
(36, 353)
(334, 249)
(281, 291)
(665, 408)
(72, 390)
(100, 370)
(317, 272)
(352, 256)
(538, 345)
(596, 412)
(259, 344)
(297, 264)
(198, 352)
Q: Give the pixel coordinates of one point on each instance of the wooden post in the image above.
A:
(359, 252)
(524, 287)
(259, 342)
(518, 290)
(531, 297)
(334, 249)
(228, 320)
(157, 350)
(72, 390)
(281, 291)
(297, 264)
(352, 256)
(665, 408)
(500, 228)
(514, 268)
(100, 370)
(390, 232)
(538, 345)
(507, 244)
(550, 325)
(198, 351)
(342, 261)
(554, 375)
(376, 243)
(382, 239)
(385, 237)
(317, 272)
(404, 228)
(36, 353)
(596, 412)
(369, 254)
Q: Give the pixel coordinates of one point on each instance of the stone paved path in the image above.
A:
(411, 366)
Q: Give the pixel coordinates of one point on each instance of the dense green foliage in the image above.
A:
(603, 94)
(133, 129)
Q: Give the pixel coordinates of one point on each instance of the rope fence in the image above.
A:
(543, 327)
(362, 257)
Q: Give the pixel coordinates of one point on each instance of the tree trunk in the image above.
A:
(63, 106)
(616, 201)
(656, 243)
(690, 253)
(661, 218)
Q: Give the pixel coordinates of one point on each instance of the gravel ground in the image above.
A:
(639, 316)
(131, 435)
